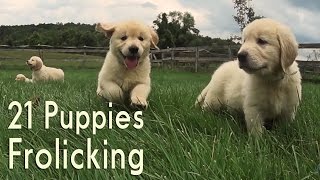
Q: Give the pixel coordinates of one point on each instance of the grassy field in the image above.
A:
(179, 141)
(16, 60)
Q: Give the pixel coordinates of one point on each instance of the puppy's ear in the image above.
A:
(38, 65)
(288, 48)
(106, 28)
(154, 38)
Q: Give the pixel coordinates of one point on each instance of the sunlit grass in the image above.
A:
(179, 141)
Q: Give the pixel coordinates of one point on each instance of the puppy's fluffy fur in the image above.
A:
(264, 83)
(126, 69)
(40, 72)
(21, 77)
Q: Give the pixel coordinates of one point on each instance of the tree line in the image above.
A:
(175, 29)
(172, 34)
(69, 34)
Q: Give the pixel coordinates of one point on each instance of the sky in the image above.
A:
(213, 17)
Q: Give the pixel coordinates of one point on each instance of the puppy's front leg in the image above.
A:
(254, 121)
(212, 100)
(139, 95)
(110, 91)
(27, 80)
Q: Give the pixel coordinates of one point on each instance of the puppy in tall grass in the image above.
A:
(40, 72)
(21, 77)
(264, 82)
(125, 74)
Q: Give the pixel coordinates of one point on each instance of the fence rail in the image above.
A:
(191, 58)
(203, 57)
(309, 45)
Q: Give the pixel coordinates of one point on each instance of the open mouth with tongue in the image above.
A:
(131, 61)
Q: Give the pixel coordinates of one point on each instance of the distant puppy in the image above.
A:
(21, 77)
(126, 69)
(264, 83)
(40, 72)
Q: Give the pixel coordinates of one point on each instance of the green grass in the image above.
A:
(17, 60)
(179, 141)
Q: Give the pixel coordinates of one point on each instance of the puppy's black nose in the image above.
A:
(133, 49)
(242, 56)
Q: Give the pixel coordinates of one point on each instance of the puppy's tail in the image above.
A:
(200, 100)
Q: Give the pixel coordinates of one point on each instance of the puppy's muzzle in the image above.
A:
(243, 59)
(133, 50)
(131, 60)
(243, 56)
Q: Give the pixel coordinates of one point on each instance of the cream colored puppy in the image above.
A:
(21, 77)
(264, 83)
(126, 69)
(40, 72)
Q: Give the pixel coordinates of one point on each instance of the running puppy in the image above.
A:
(264, 83)
(40, 72)
(126, 69)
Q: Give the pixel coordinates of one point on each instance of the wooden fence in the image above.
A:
(190, 58)
(204, 57)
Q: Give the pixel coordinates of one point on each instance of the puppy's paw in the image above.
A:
(208, 107)
(257, 131)
(139, 103)
(198, 104)
(99, 94)
(99, 91)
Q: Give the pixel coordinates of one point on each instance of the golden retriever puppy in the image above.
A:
(40, 72)
(264, 82)
(125, 74)
(21, 77)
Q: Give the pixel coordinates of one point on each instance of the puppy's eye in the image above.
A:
(261, 41)
(140, 38)
(123, 38)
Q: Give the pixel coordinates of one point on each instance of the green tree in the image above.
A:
(34, 39)
(245, 13)
(8, 41)
(175, 28)
(87, 38)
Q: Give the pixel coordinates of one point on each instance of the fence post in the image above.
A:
(162, 61)
(197, 59)
(229, 52)
(40, 52)
(151, 56)
(172, 58)
(84, 50)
